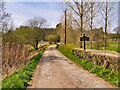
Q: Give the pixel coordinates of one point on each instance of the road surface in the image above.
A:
(56, 71)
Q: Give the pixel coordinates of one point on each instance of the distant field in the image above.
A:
(113, 46)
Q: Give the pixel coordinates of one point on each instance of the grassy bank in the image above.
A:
(20, 78)
(106, 74)
(113, 46)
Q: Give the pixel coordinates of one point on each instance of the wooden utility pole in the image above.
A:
(65, 26)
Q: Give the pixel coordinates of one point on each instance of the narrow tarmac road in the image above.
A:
(56, 71)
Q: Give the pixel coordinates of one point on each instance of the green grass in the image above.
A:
(113, 46)
(106, 74)
(20, 78)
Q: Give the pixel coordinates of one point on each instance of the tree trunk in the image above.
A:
(116, 38)
(106, 18)
(36, 45)
(91, 25)
(81, 19)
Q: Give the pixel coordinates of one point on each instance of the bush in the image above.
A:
(98, 44)
(96, 69)
(67, 48)
(53, 38)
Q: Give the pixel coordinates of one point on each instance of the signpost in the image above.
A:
(84, 38)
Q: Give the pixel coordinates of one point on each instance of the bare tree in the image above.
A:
(5, 18)
(107, 11)
(117, 31)
(37, 23)
(80, 10)
(92, 15)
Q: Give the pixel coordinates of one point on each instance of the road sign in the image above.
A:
(84, 38)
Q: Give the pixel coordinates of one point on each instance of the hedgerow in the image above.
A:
(19, 79)
(111, 76)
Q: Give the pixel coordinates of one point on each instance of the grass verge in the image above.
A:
(111, 76)
(20, 78)
(112, 46)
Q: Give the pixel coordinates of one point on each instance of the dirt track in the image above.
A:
(56, 71)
